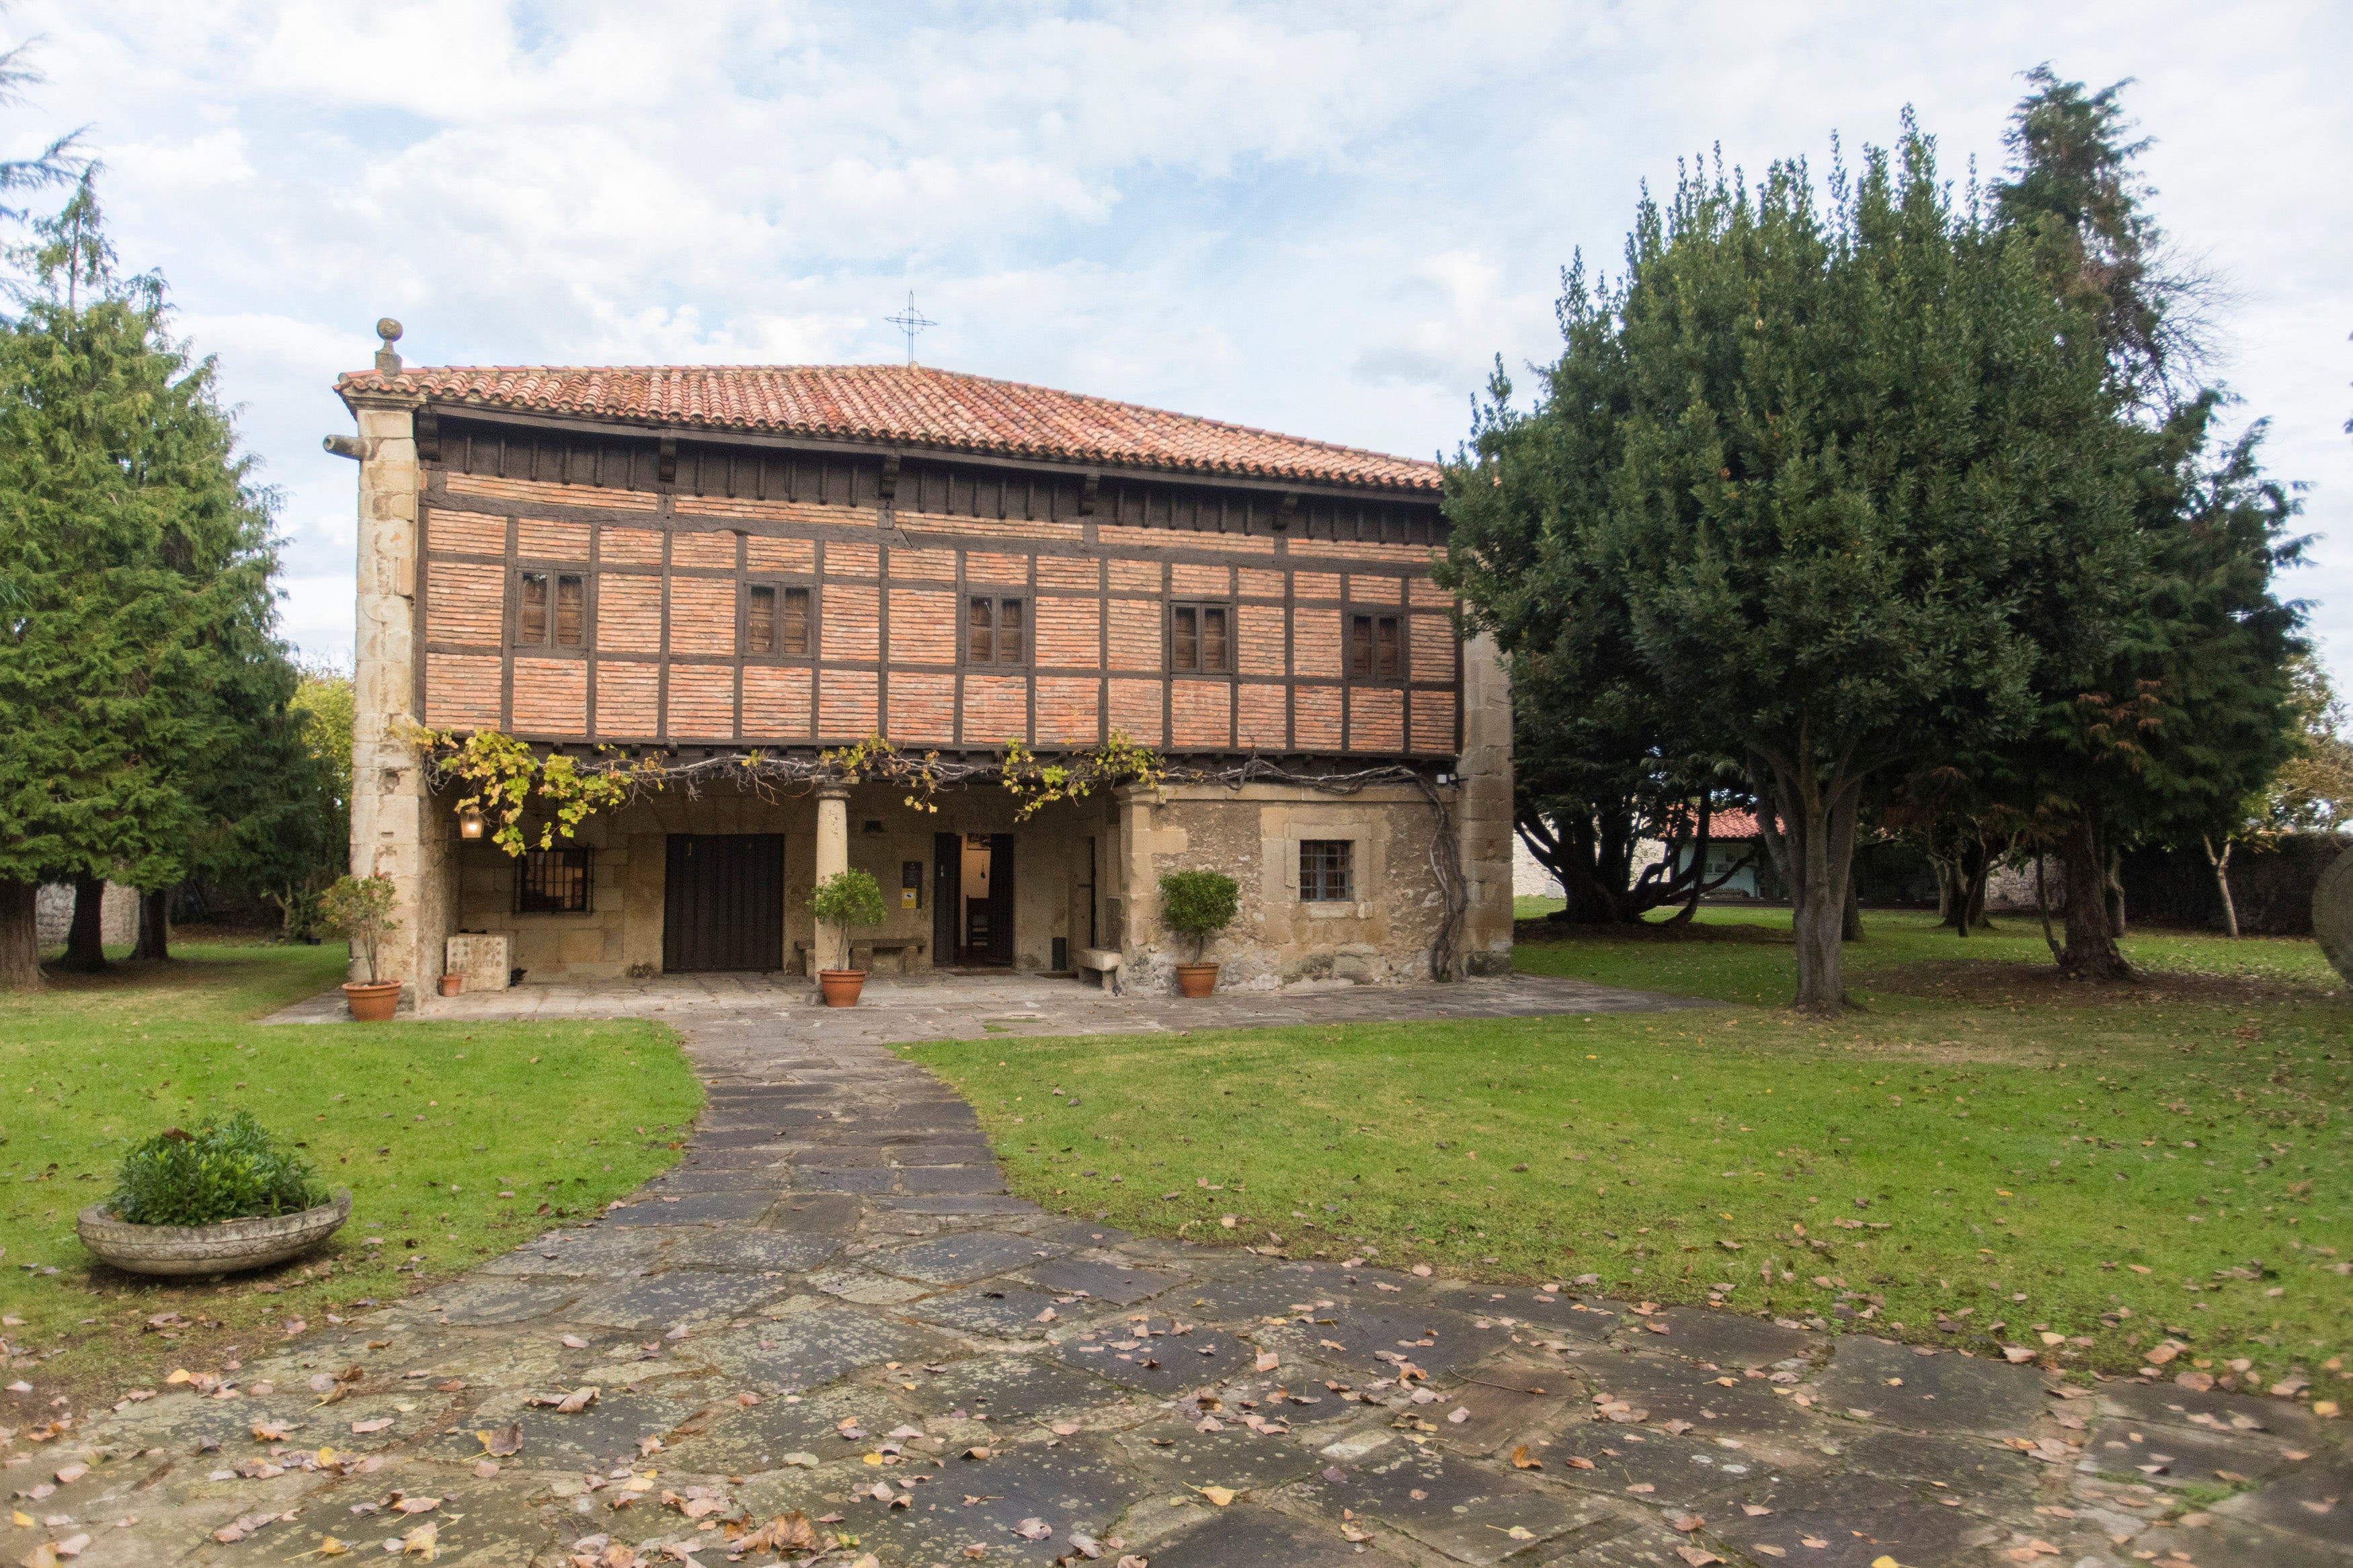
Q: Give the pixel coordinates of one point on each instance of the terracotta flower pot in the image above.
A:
(840, 987)
(452, 984)
(1196, 979)
(208, 1248)
(372, 1004)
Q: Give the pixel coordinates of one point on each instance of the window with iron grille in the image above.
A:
(554, 881)
(1376, 649)
(1327, 870)
(996, 631)
(776, 620)
(552, 610)
(1199, 639)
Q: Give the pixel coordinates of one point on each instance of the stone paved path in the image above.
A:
(831, 1305)
(966, 1006)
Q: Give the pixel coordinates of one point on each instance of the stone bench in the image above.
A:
(1104, 961)
(803, 957)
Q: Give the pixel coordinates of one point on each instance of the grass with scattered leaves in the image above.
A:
(450, 1136)
(1980, 1146)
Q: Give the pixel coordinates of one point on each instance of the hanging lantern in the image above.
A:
(469, 822)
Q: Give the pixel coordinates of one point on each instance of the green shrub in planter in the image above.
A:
(848, 899)
(223, 1170)
(1198, 903)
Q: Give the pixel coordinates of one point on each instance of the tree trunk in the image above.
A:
(86, 938)
(20, 944)
(2114, 882)
(1851, 924)
(155, 925)
(2042, 909)
(2221, 864)
(1944, 890)
(1977, 915)
(1813, 845)
(2091, 952)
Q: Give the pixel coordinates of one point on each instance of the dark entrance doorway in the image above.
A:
(972, 917)
(723, 902)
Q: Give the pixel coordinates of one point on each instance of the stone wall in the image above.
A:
(118, 914)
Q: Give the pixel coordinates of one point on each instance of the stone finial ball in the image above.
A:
(2332, 913)
(388, 329)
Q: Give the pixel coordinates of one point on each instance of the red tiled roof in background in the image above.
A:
(1721, 826)
(904, 404)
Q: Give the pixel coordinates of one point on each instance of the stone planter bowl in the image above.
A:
(222, 1248)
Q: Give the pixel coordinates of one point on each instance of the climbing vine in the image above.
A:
(1036, 783)
(505, 775)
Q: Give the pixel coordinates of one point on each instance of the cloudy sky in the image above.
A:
(1328, 219)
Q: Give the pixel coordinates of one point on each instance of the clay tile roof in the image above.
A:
(910, 404)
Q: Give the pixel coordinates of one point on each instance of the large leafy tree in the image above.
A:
(2190, 710)
(1599, 762)
(1847, 472)
(136, 650)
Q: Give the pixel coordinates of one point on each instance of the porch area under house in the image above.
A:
(703, 896)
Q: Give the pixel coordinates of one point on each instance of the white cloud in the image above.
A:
(1325, 217)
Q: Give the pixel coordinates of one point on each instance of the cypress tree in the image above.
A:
(137, 559)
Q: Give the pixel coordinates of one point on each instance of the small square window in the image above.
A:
(1200, 640)
(1327, 870)
(1375, 648)
(776, 620)
(554, 881)
(996, 631)
(564, 623)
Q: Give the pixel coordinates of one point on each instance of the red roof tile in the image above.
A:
(910, 404)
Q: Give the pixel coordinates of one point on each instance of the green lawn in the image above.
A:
(2021, 1155)
(451, 1138)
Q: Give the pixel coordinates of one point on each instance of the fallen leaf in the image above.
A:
(417, 1504)
(1218, 1495)
(1641, 1488)
(377, 1425)
(1575, 1463)
(422, 1542)
(1033, 1530)
(1697, 1556)
(1686, 1522)
(577, 1401)
(1521, 1461)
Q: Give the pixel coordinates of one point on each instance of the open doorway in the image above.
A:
(972, 899)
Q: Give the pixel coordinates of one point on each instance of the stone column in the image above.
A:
(1482, 809)
(396, 827)
(832, 949)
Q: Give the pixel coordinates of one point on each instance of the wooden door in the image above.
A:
(947, 899)
(1000, 897)
(723, 902)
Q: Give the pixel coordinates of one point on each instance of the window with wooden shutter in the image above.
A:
(775, 621)
(996, 630)
(1200, 638)
(1375, 648)
(551, 610)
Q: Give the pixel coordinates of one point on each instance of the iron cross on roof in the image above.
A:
(910, 322)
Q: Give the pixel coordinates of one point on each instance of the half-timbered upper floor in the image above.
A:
(804, 557)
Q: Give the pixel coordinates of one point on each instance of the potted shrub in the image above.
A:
(360, 908)
(845, 900)
(223, 1197)
(1200, 904)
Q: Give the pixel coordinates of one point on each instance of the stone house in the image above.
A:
(700, 565)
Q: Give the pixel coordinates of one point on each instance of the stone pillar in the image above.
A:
(832, 949)
(1482, 809)
(396, 828)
